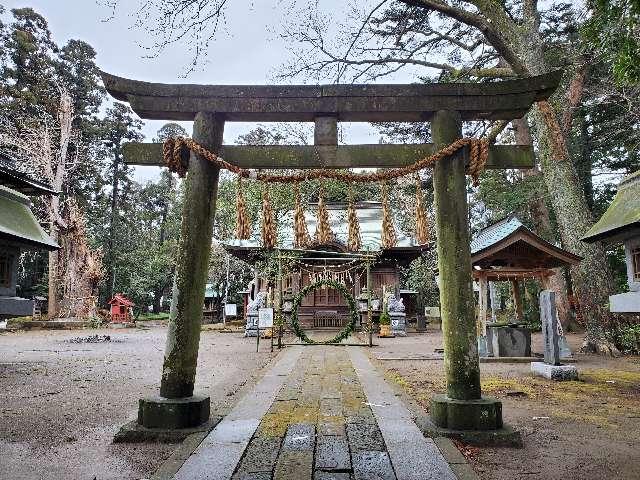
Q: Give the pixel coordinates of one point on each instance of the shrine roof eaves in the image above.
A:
(18, 224)
(506, 99)
(501, 234)
(18, 177)
(622, 218)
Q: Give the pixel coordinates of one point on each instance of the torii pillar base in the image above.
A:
(482, 414)
(160, 412)
(168, 420)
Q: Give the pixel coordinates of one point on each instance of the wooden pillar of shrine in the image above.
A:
(482, 305)
(463, 407)
(177, 406)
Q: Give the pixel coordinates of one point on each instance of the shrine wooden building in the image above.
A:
(20, 231)
(509, 251)
(326, 307)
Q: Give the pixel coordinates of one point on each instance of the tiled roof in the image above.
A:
(495, 233)
(369, 216)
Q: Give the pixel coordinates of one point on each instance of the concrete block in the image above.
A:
(501, 437)
(319, 475)
(369, 465)
(261, 455)
(364, 437)
(332, 453)
(449, 451)
(554, 372)
(294, 466)
(300, 436)
(463, 471)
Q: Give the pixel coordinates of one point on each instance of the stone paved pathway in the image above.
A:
(325, 421)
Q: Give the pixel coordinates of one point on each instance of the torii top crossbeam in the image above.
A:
(504, 100)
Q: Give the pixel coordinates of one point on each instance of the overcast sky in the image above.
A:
(247, 51)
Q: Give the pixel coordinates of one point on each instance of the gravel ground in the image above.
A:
(571, 430)
(61, 401)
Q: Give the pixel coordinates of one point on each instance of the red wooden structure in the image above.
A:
(121, 309)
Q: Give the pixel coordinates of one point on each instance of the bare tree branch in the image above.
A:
(491, 33)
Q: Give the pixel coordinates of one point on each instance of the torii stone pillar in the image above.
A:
(463, 407)
(178, 406)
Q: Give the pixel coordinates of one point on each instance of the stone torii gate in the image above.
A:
(444, 105)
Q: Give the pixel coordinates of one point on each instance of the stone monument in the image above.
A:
(398, 317)
(551, 368)
(508, 341)
(251, 327)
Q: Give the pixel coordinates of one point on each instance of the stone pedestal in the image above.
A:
(251, 327)
(481, 414)
(398, 323)
(173, 413)
(509, 341)
(554, 372)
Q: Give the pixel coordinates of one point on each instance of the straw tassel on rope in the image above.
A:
(422, 223)
(268, 223)
(354, 242)
(323, 229)
(389, 238)
(243, 226)
(301, 234)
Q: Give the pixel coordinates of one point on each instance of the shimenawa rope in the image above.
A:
(176, 157)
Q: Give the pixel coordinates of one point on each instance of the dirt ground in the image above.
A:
(589, 429)
(61, 402)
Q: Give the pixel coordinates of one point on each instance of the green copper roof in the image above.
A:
(17, 222)
(623, 215)
(492, 234)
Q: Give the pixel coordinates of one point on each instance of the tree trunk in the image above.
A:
(157, 295)
(592, 278)
(112, 225)
(522, 46)
(52, 301)
(541, 218)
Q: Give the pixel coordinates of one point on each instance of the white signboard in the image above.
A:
(230, 310)
(432, 312)
(265, 317)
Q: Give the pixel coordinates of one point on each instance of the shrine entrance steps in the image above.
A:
(321, 413)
